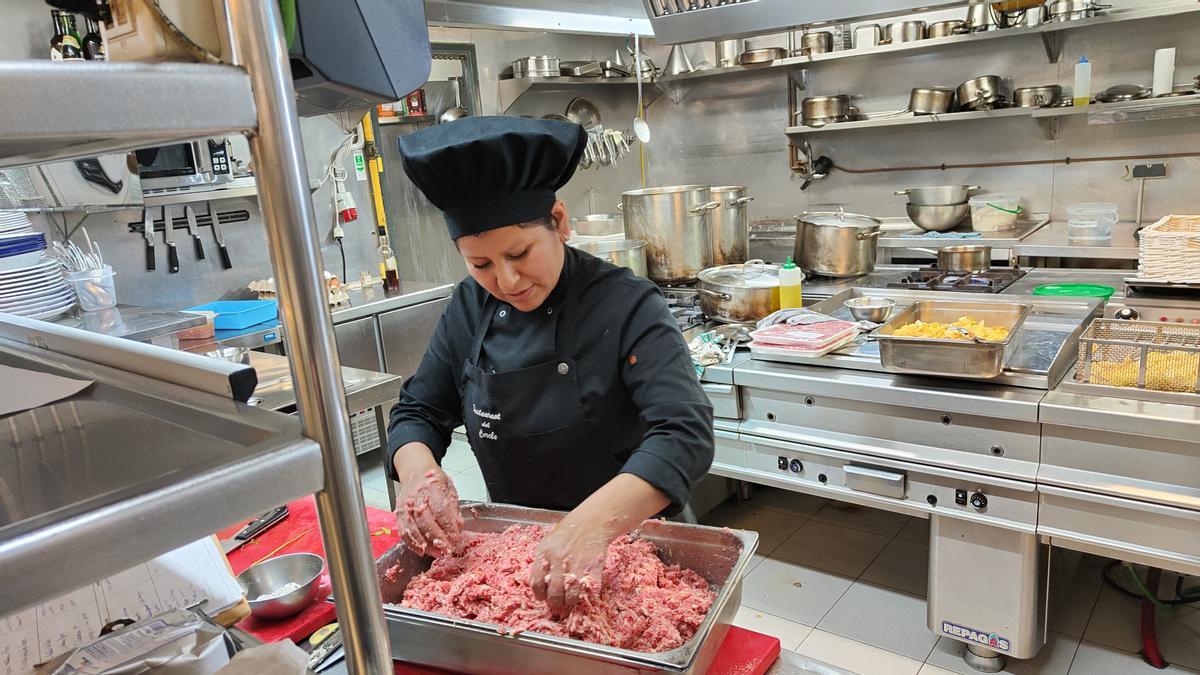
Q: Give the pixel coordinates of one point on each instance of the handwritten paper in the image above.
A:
(180, 578)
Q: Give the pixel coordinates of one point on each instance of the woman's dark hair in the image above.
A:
(545, 221)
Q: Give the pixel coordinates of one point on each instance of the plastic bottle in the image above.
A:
(790, 278)
(1083, 82)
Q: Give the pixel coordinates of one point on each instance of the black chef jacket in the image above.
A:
(631, 364)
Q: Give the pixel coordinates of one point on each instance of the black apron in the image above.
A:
(535, 444)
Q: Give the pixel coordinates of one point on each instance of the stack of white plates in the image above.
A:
(14, 222)
(37, 291)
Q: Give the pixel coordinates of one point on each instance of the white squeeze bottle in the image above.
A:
(1083, 82)
(790, 277)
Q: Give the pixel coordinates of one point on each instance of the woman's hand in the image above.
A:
(569, 562)
(427, 512)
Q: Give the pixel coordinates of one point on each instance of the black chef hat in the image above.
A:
(488, 172)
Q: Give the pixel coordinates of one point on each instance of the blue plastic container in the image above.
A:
(239, 314)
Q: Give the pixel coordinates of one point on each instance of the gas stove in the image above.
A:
(992, 280)
(684, 303)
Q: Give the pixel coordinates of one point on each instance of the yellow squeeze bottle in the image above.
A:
(790, 278)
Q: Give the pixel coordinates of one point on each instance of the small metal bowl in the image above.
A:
(231, 354)
(269, 576)
(875, 310)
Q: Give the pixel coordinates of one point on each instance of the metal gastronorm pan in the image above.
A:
(947, 357)
(718, 554)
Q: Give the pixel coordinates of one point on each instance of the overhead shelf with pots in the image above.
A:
(1050, 32)
(908, 120)
(512, 89)
(1171, 107)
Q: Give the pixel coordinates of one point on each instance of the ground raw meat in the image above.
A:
(392, 574)
(642, 604)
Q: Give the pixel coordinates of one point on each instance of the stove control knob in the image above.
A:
(1127, 314)
(979, 501)
(796, 466)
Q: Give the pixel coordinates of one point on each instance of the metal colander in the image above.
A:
(1140, 354)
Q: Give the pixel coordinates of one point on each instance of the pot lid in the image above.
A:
(752, 274)
(839, 219)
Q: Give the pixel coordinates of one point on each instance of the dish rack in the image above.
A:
(1140, 355)
(1169, 249)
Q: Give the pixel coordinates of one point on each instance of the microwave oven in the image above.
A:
(204, 164)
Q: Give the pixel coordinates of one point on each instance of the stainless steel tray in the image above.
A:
(720, 555)
(947, 357)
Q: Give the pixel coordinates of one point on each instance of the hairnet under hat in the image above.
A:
(488, 172)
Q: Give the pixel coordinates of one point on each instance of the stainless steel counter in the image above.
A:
(1051, 242)
(132, 323)
(819, 288)
(997, 240)
(1041, 276)
(361, 303)
(374, 301)
(364, 388)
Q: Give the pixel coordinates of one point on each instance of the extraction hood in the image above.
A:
(602, 17)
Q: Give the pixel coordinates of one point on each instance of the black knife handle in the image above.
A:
(149, 256)
(261, 523)
(199, 247)
(225, 261)
(172, 258)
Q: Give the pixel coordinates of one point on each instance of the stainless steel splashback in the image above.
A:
(677, 21)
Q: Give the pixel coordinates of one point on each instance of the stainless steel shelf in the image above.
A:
(511, 90)
(128, 469)
(910, 120)
(406, 119)
(1047, 118)
(1049, 32)
(42, 120)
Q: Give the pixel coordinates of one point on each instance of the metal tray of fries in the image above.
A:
(720, 555)
(950, 357)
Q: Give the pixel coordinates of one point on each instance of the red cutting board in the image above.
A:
(302, 521)
(743, 652)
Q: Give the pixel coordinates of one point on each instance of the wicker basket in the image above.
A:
(1141, 355)
(1170, 250)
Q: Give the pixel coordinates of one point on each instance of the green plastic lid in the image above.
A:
(789, 265)
(1076, 290)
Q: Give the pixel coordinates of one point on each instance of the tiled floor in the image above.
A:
(846, 585)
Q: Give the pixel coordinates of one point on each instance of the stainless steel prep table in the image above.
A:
(374, 330)
(1051, 242)
(155, 326)
(369, 396)
(894, 242)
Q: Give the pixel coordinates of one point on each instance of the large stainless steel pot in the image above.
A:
(730, 225)
(728, 52)
(904, 31)
(941, 29)
(1037, 97)
(629, 253)
(819, 42)
(739, 293)
(674, 223)
(980, 92)
(836, 244)
(816, 111)
(930, 100)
